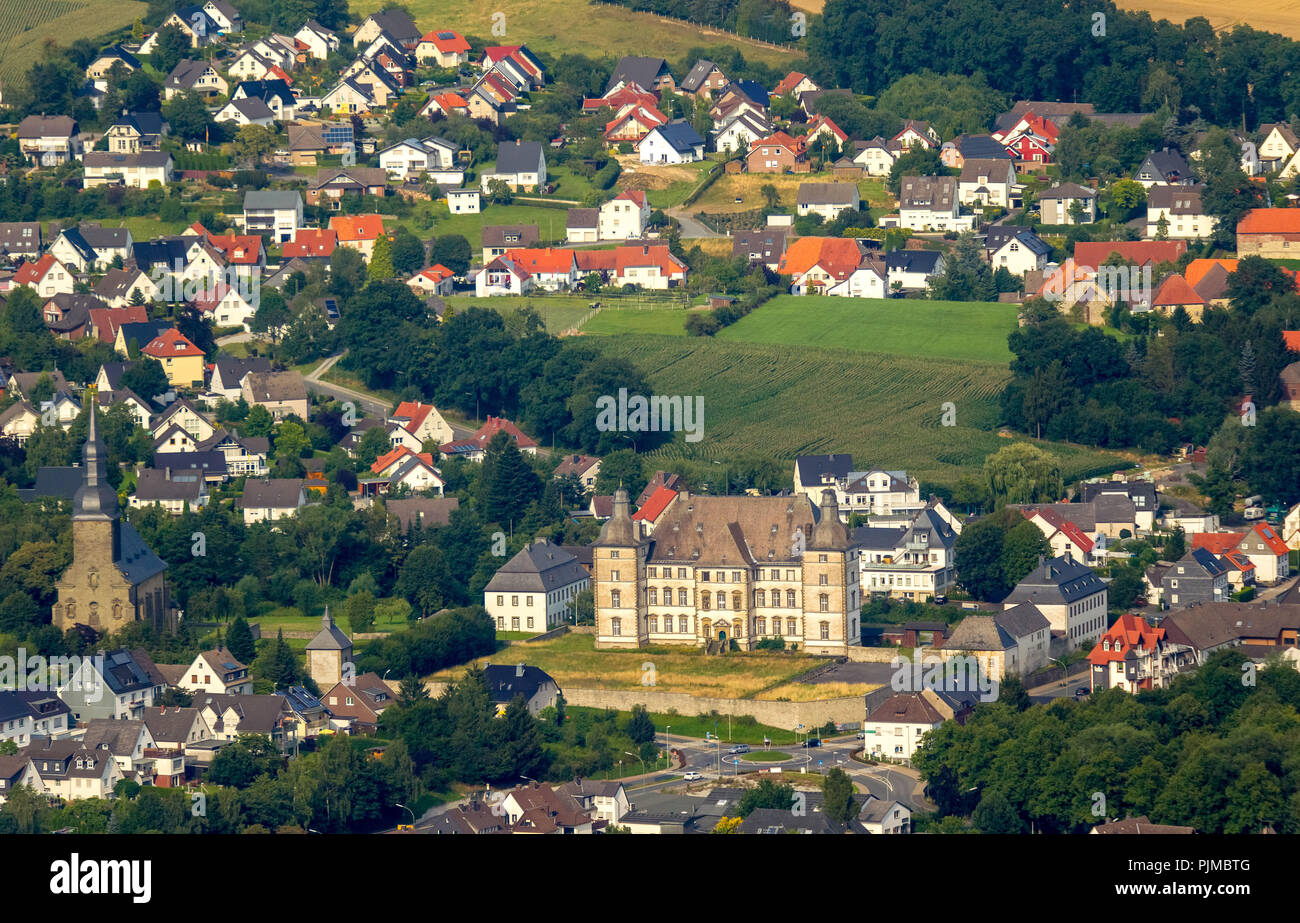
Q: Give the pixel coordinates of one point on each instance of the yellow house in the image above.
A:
(181, 359)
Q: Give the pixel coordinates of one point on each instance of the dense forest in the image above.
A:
(1217, 750)
(1119, 61)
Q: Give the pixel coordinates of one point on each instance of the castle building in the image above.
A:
(724, 569)
(114, 577)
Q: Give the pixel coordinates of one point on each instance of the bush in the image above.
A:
(702, 324)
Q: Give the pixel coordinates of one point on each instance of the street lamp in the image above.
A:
(668, 748)
(408, 811)
(1065, 677)
(635, 757)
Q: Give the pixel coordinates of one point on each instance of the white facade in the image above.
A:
(464, 201)
(624, 218)
(532, 611)
(654, 149)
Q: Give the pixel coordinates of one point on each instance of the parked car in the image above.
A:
(693, 776)
(739, 748)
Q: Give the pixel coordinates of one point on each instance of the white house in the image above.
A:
(464, 201)
(673, 142)
(532, 590)
(912, 270)
(272, 212)
(138, 171)
(1182, 213)
(217, 671)
(986, 182)
(876, 157)
(929, 203)
(319, 40)
(414, 157)
(1018, 251)
(625, 216)
(520, 165)
(827, 199)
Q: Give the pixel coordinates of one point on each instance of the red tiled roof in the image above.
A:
(838, 256)
(1216, 542)
(1141, 252)
(654, 507)
(636, 196)
(357, 227)
(1292, 340)
(30, 273)
(436, 273)
(1128, 632)
(452, 43)
(1077, 536)
(539, 259)
(779, 139)
(596, 260)
(413, 412)
(490, 428)
(1270, 221)
(107, 320)
(647, 255)
(1270, 538)
(397, 454)
(311, 242)
(1197, 269)
(789, 82)
(1238, 560)
(171, 343)
(240, 249)
(1175, 291)
(447, 101)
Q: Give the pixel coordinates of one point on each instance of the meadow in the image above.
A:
(574, 661)
(26, 27)
(778, 401)
(905, 327)
(722, 195)
(559, 26)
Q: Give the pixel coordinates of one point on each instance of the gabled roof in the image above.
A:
(357, 227)
(446, 41)
(1174, 291)
(1270, 221)
(642, 71)
(518, 157)
(169, 344)
(1130, 632)
(311, 242)
(1061, 579)
(680, 135)
(1141, 252)
(698, 73)
(539, 567)
(1199, 268)
(837, 256)
(653, 508)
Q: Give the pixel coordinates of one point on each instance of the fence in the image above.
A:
(669, 301)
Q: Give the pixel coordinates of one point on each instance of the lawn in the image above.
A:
(721, 196)
(683, 727)
(765, 756)
(905, 327)
(26, 27)
(665, 185)
(549, 221)
(559, 26)
(615, 321)
(573, 660)
(774, 401)
(558, 312)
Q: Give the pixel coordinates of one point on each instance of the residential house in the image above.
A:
(954, 153)
(1197, 577)
(414, 157)
(138, 171)
(199, 77)
(395, 24)
(181, 360)
(284, 394)
(446, 105)
(246, 111)
(359, 703)
(582, 226)
(1064, 201)
(876, 157)
(625, 216)
(277, 498)
(330, 186)
(48, 141)
(930, 203)
(435, 280)
(318, 40)
(1069, 594)
(912, 270)
(472, 448)
(1179, 210)
(21, 239)
(650, 74)
(121, 684)
(135, 132)
(90, 246)
(986, 183)
(911, 562)
(763, 246)
(498, 238)
(446, 49)
(1266, 550)
(508, 682)
(120, 287)
(177, 493)
(1017, 250)
(26, 714)
(231, 716)
(47, 276)
(833, 266)
(534, 589)
(217, 671)
(358, 232)
(273, 213)
(673, 142)
(68, 770)
(739, 130)
(1164, 168)
(827, 199)
(777, 153)
(520, 165)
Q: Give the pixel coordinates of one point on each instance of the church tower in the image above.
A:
(618, 579)
(114, 577)
(832, 602)
(328, 654)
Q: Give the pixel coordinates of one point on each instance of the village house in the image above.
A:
(273, 213)
(48, 141)
(282, 393)
(777, 153)
(833, 266)
(929, 203)
(986, 183)
(1176, 212)
(358, 232)
(1269, 232)
(1071, 596)
(195, 76)
(674, 142)
(1064, 201)
(827, 199)
(217, 671)
(520, 165)
(277, 498)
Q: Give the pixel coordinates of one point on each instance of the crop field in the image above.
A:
(905, 327)
(25, 27)
(558, 26)
(574, 661)
(777, 401)
(617, 321)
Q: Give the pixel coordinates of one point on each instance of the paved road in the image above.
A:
(690, 227)
(1040, 695)
(236, 338)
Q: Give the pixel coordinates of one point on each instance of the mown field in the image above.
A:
(557, 26)
(574, 661)
(722, 195)
(558, 312)
(26, 26)
(905, 327)
(777, 401)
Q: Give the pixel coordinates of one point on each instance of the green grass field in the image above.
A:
(776, 401)
(25, 28)
(904, 327)
(559, 26)
(615, 321)
(559, 312)
(549, 221)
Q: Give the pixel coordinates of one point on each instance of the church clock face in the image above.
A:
(93, 579)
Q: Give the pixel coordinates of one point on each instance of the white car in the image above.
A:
(693, 776)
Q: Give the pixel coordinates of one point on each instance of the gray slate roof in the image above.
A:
(1057, 581)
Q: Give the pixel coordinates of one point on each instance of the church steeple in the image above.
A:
(95, 498)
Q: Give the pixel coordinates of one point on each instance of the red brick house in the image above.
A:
(777, 153)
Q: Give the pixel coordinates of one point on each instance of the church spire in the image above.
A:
(95, 499)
